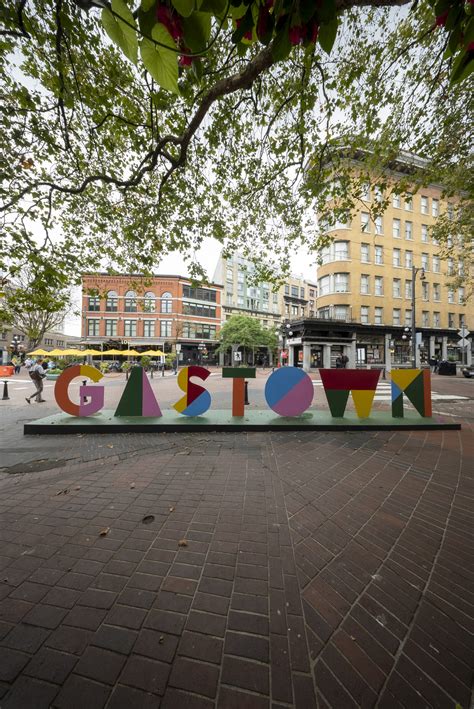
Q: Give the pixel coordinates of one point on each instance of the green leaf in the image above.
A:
(462, 67)
(183, 7)
(327, 35)
(161, 62)
(246, 25)
(146, 5)
(282, 46)
(216, 7)
(119, 32)
(197, 30)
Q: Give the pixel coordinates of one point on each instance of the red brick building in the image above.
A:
(158, 312)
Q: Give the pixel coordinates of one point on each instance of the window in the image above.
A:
(378, 316)
(397, 257)
(409, 203)
(341, 253)
(301, 292)
(425, 290)
(450, 267)
(462, 320)
(436, 264)
(130, 328)
(364, 284)
(340, 312)
(130, 302)
(436, 320)
(287, 290)
(311, 293)
(425, 318)
(378, 225)
(408, 259)
(407, 318)
(92, 327)
(436, 291)
(396, 228)
(409, 231)
(228, 297)
(396, 316)
(165, 328)
(379, 255)
(93, 303)
(365, 191)
(424, 233)
(397, 288)
(111, 303)
(204, 293)
(451, 320)
(294, 310)
(324, 285)
(167, 303)
(450, 211)
(450, 296)
(461, 268)
(425, 261)
(434, 207)
(294, 291)
(396, 201)
(148, 328)
(365, 221)
(364, 314)
(365, 253)
(461, 295)
(378, 285)
(341, 282)
(408, 289)
(199, 309)
(229, 274)
(149, 304)
(378, 194)
(110, 328)
(424, 205)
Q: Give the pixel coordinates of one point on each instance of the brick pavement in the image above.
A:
(319, 570)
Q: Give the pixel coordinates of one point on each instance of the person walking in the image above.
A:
(37, 374)
(17, 364)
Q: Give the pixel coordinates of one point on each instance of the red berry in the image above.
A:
(296, 34)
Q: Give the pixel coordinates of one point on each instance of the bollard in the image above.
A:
(126, 375)
(151, 372)
(162, 370)
(5, 391)
(84, 398)
(246, 393)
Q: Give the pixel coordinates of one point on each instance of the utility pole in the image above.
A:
(414, 272)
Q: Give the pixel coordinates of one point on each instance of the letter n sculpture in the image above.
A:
(416, 385)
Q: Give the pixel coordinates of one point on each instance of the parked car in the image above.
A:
(468, 372)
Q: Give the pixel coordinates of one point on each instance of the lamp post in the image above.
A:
(201, 349)
(414, 272)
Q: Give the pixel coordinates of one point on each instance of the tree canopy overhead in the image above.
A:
(134, 129)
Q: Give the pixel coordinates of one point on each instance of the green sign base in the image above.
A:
(215, 420)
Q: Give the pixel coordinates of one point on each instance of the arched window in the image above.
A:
(149, 302)
(130, 302)
(111, 304)
(166, 303)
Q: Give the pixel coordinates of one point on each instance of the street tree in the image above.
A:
(31, 308)
(131, 129)
(245, 332)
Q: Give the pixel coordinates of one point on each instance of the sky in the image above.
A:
(302, 265)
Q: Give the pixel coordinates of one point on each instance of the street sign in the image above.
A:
(178, 348)
(463, 331)
(238, 356)
(463, 342)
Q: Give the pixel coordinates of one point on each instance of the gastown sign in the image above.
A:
(289, 392)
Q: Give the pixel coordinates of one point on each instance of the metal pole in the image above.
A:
(246, 393)
(5, 391)
(84, 398)
(413, 323)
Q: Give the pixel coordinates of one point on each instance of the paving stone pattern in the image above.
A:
(319, 570)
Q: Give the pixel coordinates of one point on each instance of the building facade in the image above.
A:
(372, 275)
(162, 312)
(13, 342)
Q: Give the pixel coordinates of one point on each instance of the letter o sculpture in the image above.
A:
(289, 391)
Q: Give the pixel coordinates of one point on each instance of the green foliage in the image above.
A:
(245, 332)
(119, 24)
(145, 362)
(161, 62)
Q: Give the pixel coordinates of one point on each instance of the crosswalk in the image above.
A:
(383, 393)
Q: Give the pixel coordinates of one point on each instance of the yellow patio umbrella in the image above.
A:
(72, 351)
(113, 352)
(131, 352)
(91, 352)
(56, 353)
(38, 353)
(153, 353)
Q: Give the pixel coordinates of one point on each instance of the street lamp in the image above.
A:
(414, 272)
(201, 348)
(15, 344)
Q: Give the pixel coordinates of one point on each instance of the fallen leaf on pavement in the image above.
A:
(132, 486)
(186, 451)
(161, 639)
(109, 445)
(78, 487)
(104, 532)
(171, 509)
(148, 519)
(63, 492)
(182, 543)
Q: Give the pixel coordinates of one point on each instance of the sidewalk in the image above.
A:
(242, 571)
